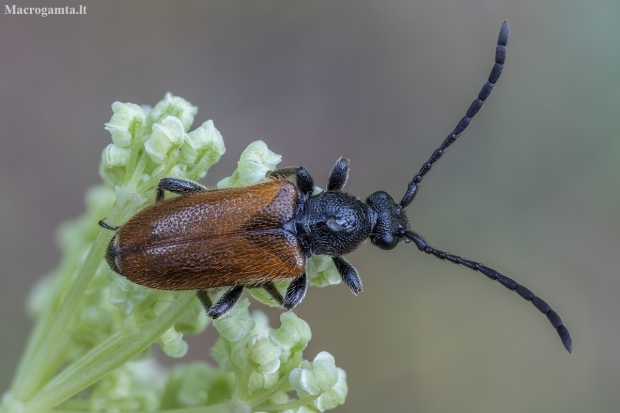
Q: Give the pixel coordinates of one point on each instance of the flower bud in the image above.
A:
(255, 161)
(173, 106)
(166, 135)
(125, 124)
(115, 156)
(314, 378)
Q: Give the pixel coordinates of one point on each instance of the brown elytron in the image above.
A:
(213, 238)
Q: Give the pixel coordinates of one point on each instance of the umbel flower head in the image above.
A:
(90, 348)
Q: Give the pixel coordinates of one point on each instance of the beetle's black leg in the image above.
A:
(509, 283)
(305, 183)
(177, 186)
(349, 275)
(296, 292)
(102, 224)
(270, 287)
(339, 175)
(226, 302)
(487, 88)
(283, 173)
(204, 299)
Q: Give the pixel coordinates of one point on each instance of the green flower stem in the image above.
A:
(34, 343)
(45, 320)
(232, 406)
(135, 150)
(290, 405)
(160, 171)
(57, 391)
(101, 350)
(137, 175)
(30, 381)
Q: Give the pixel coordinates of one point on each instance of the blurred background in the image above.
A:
(532, 188)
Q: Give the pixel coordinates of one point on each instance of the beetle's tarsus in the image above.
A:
(177, 186)
(102, 224)
(339, 175)
(296, 292)
(226, 302)
(349, 275)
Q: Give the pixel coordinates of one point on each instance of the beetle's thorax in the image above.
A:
(333, 223)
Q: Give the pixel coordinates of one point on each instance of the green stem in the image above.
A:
(137, 173)
(28, 383)
(290, 405)
(45, 320)
(96, 353)
(57, 391)
(232, 406)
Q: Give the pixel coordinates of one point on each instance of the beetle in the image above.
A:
(250, 237)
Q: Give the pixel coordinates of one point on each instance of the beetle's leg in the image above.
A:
(178, 186)
(204, 299)
(102, 224)
(226, 302)
(305, 183)
(296, 292)
(339, 175)
(270, 287)
(283, 173)
(349, 275)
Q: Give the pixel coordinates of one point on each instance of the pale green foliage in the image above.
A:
(90, 349)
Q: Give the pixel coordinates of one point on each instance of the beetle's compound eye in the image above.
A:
(385, 242)
(388, 220)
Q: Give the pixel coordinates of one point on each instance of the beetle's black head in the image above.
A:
(390, 220)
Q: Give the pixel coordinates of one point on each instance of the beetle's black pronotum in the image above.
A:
(252, 236)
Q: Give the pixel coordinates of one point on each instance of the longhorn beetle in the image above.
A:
(253, 236)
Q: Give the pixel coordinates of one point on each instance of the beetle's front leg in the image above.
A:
(349, 275)
(177, 186)
(338, 175)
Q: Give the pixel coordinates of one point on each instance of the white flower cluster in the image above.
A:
(94, 329)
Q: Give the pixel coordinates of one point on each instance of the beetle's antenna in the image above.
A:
(500, 57)
(509, 283)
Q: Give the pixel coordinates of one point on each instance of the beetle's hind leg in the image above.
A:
(177, 186)
(296, 292)
(338, 175)
(349, 275)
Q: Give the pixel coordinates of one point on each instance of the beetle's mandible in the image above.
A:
(252, 236)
